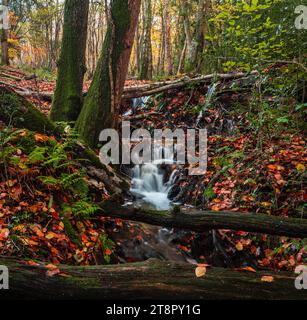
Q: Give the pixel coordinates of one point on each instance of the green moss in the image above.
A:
(18, 112)
(96, 114)
(68, 97)
(71, 233)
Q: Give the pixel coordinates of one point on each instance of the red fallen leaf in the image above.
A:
(183, 248)
(107, 252)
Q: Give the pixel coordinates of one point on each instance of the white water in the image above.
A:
(148, 183)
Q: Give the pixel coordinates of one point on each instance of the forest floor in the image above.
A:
(250, 169)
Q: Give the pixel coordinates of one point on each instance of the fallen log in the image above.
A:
(17, 112)
(152, 279)
(159, 87)
(24, 92)
(200, 221)
(147, 89)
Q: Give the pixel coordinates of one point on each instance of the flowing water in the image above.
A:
(148, 185)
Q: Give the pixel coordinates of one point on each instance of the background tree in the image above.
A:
(71, 69)
(146, 51)
(4, 42)
(101, 106)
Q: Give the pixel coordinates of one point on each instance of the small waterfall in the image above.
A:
(148, 183)
(137, 103)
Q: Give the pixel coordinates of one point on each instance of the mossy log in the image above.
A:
(201, 221)
(152, 279)
(17, 112)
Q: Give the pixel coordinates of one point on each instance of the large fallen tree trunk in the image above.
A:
(200, 221)
(150, 280)
(147, 89)
(159, 87)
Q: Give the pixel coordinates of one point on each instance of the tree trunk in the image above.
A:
(4, 42)
(150, 280)
(101, 106)
(67, 102)
(17, 112)
(167, 35)
(200, 221)
(146, 53)
(196, 40)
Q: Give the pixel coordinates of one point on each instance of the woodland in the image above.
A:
(73, 227)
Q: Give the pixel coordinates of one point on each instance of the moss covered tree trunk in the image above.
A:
(152, 279)
(196, 39)
(17, 112)
(101, 106)
(67, 101)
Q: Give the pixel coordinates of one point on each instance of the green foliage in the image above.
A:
(82, 209)
(106, 244)
(246, 35)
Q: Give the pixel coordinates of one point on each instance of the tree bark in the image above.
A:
(148, 89)
(196, 40)
(152, 279)
(4, 42)
(167, 38)
(163, 86)
(200, 221)
(146, 52)
(101, 106)
(68, 97)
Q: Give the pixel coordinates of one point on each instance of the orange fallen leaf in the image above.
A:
(40, 138)
(108, 252)
(300, 168)
(239, 246)
(52, 273)
(4, 233)
(200, 272)
(250, 269)
(267, 279)
(31, 263)
(51, 266)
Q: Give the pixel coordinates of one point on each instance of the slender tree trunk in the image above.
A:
(146, 54)
(167, 33)
(4, 42)
(101, 106)
(196, 40)
(182, 57)
(161, 62)
(68, 94)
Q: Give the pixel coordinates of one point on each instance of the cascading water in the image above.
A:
(148, 183)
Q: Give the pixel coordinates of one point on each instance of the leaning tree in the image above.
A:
(101, 106)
